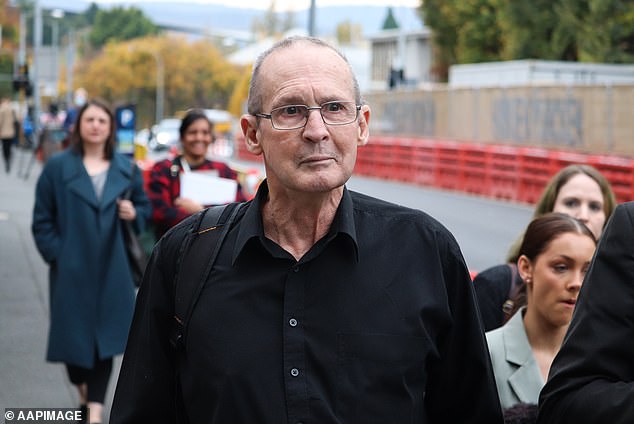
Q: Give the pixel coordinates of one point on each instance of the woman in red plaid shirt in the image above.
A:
(196, 134)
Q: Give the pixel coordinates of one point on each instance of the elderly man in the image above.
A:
(323, 305)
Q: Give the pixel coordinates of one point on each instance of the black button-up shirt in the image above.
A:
(375, 324)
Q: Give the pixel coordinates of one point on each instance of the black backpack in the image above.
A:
(196, 258)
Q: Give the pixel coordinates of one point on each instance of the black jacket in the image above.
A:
(592, 378)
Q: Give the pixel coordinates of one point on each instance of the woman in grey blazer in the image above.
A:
(592, 378)
(554, 256)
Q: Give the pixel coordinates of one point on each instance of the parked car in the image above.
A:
(165, 134)
(224, 127)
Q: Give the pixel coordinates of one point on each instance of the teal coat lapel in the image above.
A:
(78, 181)
(119, 176)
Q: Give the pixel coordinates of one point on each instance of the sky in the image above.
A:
(283, 5)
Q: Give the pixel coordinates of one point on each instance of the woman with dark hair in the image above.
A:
(590, 380)
(580, 191)
(77, 226)
(169, 207)
(554, 256)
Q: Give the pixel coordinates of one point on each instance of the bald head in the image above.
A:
(255, 88)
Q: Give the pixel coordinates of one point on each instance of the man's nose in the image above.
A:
(315, 128)
(316, 115)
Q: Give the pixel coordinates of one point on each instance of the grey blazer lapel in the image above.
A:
(526, 381)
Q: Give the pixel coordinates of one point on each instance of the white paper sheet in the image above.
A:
(207, 189)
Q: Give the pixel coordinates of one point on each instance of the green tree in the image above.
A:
(6, 69)
(91, 13)
(528, 28)
(120, 24)
(390, 21)
(442, 17)
(567, 32)
(466, 31)
(607, 32)
(479, 36)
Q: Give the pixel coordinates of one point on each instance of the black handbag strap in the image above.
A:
(196, 259)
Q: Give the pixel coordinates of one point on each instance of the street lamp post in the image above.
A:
(311, 18)
(56, 15)
(70, 60)
(160, 85)
(37, 45)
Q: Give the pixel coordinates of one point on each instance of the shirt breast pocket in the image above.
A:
(381, 378)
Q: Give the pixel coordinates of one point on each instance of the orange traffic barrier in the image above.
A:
(515, 173)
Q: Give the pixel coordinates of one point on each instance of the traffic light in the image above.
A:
(21, 80)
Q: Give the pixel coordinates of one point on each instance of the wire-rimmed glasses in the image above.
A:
(291, 117)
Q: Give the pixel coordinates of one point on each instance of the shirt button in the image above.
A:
(296, 268)
(294, 372)
(292, 322)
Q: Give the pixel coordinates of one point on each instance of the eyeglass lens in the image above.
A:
(296, 116)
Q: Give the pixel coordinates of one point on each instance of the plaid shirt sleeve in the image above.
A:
(163, 189)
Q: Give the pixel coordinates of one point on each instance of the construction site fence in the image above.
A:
(499, 171)
(583, 118)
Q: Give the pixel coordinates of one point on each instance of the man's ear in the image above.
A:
(364, 125)
(249, 126)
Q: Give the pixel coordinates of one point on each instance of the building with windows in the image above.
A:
(538, 72)
(397, 50)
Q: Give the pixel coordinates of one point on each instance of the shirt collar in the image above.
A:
(252, 227)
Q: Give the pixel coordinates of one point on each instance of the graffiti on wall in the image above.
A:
(407, 117)
(557, 121)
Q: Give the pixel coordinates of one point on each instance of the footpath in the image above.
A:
(28, 381)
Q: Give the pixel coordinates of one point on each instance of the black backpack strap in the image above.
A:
(196, 259)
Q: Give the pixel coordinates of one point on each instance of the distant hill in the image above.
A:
(218, 17)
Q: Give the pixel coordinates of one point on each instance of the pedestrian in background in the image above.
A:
(592, 378)
(77, 226)
(7, 131)
(79, 100)
(554, 256)
(324, 305)
(169, 207)
(27, 129)
(580, 191)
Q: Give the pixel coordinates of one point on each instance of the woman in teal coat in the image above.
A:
(77, 226)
